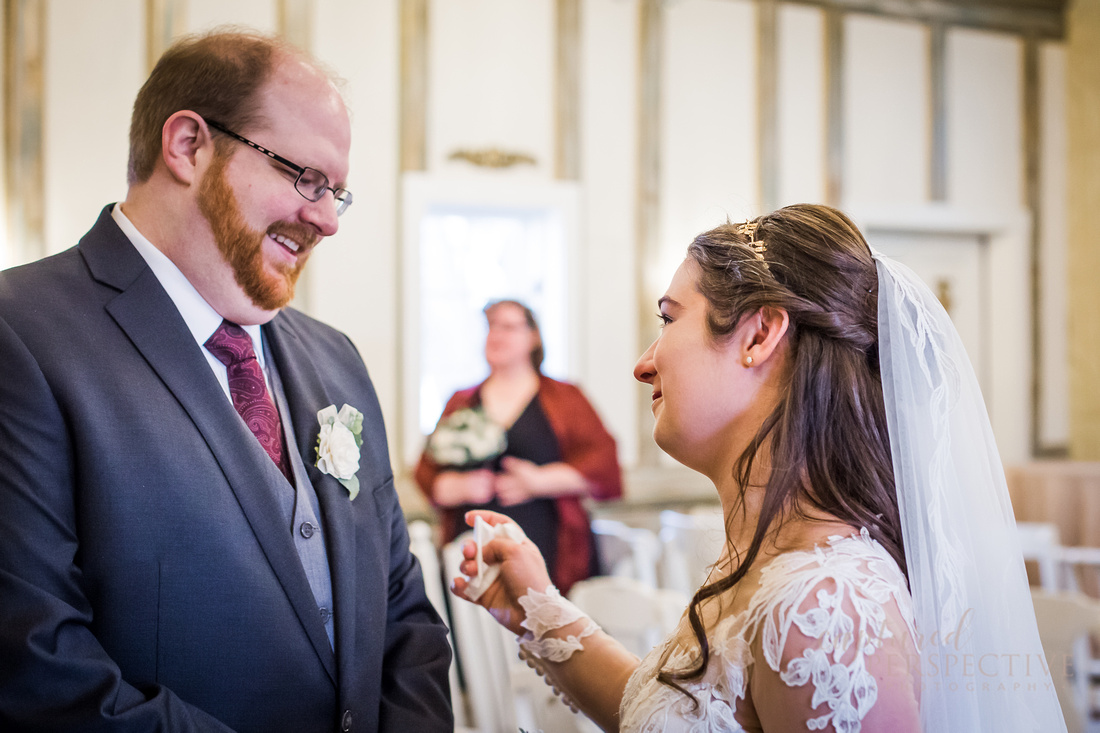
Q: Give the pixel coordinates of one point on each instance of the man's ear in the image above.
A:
(182, 140)
(763, 332)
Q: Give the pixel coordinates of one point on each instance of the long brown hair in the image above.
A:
(827, 436)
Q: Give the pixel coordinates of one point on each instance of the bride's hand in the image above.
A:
(521, 568)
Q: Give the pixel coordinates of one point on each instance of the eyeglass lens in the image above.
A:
(312, 184)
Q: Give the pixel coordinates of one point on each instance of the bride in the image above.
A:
(871, 578)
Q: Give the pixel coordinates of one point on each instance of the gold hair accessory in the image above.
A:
(758, 246)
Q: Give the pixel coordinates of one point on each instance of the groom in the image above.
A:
(184, 546)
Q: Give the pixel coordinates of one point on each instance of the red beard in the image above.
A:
(242, 246)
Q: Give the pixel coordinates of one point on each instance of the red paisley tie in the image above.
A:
(233, 347)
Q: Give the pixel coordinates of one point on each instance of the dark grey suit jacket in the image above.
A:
(148, 580)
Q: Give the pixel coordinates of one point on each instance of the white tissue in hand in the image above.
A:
(486, 573)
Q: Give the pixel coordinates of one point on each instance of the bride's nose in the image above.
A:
(644, 370)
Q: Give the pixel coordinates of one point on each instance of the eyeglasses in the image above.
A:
(310, 183)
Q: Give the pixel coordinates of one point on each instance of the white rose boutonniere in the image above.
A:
(338, 445)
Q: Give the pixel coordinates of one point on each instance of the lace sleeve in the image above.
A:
(837, 639)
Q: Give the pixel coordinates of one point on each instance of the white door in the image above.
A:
(954, 266)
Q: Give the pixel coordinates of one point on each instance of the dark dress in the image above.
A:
(583, 443)
(531, 439)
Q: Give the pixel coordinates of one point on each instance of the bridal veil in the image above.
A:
(981, 664)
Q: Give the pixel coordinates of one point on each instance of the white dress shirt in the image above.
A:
(201, 319)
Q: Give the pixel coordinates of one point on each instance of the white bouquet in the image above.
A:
(466, 439)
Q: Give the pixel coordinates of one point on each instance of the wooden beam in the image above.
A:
(1032, 149)
(834, 107)
(164, 20)
(567, 90)
(937, 93)
(295, 22)
(767, 102)
(24, 150)
(1043, 19)
(414, 85)
(650, 33)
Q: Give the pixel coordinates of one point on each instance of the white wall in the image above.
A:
(985, 148)
(609, 170)
(259, 14)
(886, 112)
(708, 124)
(90, 90)
(801, 104)
(491, 79)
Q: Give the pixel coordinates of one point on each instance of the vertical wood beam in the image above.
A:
(412, 156)
(164, 20)
(834, 106)
(295, 22)
(1083, 208)
(24, 148)
(567, 90)
(1032, 146)
(650, 41)
(414, 85)
(767, 102)
(937, 94)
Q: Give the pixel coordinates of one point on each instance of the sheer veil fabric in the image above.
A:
(981, 664)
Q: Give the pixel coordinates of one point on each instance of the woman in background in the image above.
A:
(558, 451)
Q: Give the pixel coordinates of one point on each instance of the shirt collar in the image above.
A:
(201, 319)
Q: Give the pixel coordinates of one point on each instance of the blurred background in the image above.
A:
(565, 152)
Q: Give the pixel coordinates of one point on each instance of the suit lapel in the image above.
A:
(305, 395)
(150, 319)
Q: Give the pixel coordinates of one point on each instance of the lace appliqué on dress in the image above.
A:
(547, 611)
(865, 576)
(848, 584)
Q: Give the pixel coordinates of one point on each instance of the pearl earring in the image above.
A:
(748, 361)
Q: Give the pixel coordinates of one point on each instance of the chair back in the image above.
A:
(690, 545)
(1040, 544)
(626, 551)
(423, 548)
(483, 655)
(637, 615)
(1065, 621)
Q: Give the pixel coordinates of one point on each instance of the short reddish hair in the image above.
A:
(217, 75)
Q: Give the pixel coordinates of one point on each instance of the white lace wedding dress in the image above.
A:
(834, 623)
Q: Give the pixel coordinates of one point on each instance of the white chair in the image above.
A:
(690, 545)
(626, 551)
(1066, 620)
(1079, 569)
(1039, 543)
(504, 693)
(421, 545)
(639, 616)
(1080, 573)
(1067, 571)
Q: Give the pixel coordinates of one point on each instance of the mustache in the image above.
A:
(306, 236)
